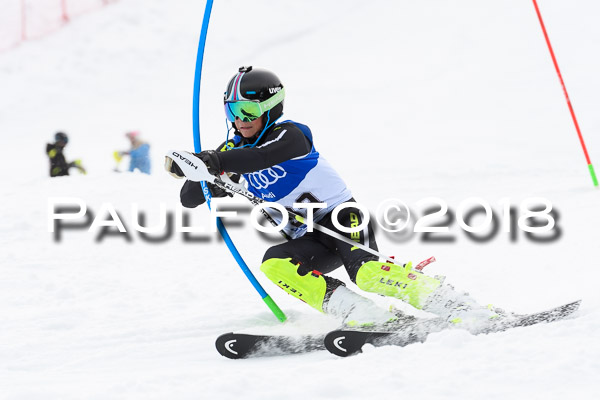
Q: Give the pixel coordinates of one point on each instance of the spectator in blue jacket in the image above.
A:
(139, 153)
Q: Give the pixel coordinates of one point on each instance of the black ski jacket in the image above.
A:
(272, 148)
(58, 163)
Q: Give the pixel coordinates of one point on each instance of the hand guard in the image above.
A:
(173, 169)
(209, 158)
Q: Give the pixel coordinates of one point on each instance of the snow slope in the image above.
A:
(406, 99)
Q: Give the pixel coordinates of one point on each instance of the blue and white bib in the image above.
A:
(309, 178)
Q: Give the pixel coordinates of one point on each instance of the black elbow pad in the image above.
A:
(191, 194)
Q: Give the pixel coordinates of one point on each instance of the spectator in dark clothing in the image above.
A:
(58, 164)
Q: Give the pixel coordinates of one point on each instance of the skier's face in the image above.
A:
(249, 128)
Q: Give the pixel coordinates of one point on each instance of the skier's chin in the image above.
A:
(248, 133)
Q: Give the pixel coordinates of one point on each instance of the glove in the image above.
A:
(208, 157)
(211, 160)
(191, 193)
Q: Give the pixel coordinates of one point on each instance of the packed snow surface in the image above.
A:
(408, 100)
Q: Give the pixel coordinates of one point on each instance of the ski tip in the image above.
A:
(571, 306)
(344, 343)
(227, 345)
(574, 305)
(243, 345)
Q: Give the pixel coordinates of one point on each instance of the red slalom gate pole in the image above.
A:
(65, 14)
(23, 20)
(585, 152)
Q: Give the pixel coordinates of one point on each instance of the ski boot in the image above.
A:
(462, 311)
(325, 294)
(425, 293)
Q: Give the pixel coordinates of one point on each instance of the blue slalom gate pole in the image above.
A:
(196, 124)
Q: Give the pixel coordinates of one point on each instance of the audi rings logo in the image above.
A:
(264, 178)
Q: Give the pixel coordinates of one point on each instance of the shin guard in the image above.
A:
(310, 288)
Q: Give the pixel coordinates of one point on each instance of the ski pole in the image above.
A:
(195, 170)
(267, 216)
(256, 201)
(196, 129)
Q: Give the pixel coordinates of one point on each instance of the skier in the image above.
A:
(280, 164)
(139, 153)
(55, 151)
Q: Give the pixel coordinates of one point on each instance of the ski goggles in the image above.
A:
(249, 110)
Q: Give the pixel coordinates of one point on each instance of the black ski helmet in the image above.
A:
(61, 137)
(255, 84)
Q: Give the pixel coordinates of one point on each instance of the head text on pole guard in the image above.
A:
(192, 167)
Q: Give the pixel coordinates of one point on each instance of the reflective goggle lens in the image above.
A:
(244, 110)
(251, 110)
